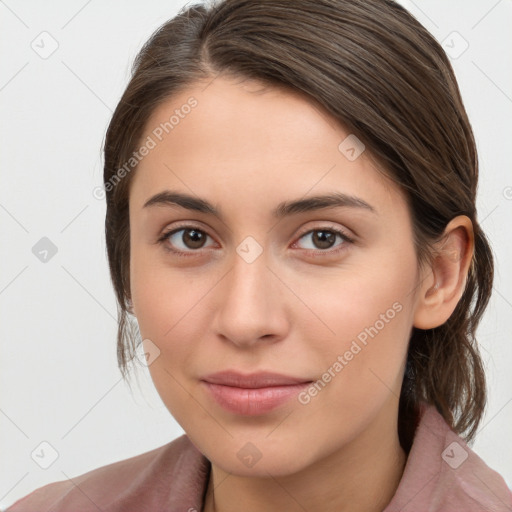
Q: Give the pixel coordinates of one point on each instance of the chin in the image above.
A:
(256, 456)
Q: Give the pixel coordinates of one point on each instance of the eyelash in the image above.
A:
(315, 252)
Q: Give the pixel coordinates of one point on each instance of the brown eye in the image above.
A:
(193, 238)
(324, 239)
(185, 239)
(189, 240)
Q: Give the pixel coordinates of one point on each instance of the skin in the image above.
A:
(246, 149)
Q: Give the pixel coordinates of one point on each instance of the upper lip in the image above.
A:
(252, 380)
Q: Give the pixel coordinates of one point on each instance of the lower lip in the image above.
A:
(253, 401)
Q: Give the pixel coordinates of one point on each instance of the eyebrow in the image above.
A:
(284, 209)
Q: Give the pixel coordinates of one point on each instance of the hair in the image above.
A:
(381, 74)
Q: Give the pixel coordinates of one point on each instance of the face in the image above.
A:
(325, 296)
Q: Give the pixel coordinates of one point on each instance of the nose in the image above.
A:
(251, 304)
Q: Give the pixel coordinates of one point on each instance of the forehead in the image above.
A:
(239, 139)
(235, 115)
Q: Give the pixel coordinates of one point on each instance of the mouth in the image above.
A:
(252, 394)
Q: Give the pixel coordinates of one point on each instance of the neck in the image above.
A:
(363, 475)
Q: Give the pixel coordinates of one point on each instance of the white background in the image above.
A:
(59, 379)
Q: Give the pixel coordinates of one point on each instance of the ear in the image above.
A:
(443, 282)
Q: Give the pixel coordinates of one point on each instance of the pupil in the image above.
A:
(321, 240)
(196, 239)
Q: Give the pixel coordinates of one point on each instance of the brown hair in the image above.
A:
(377, 70)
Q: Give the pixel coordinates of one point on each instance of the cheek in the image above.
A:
(167, 305)
(370, 312)
(171, 307)
(343, 303)
(161, 294)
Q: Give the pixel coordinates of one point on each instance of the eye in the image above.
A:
(324, 238)
(187, 239)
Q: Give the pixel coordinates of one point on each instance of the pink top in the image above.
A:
(441, 474)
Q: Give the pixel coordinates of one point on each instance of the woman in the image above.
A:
(291, 220)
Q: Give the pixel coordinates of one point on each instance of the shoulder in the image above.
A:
(443, 473)
(166, 477)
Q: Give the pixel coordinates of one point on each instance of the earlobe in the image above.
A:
(443, 282)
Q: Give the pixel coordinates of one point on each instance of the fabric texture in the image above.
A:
(442, 474)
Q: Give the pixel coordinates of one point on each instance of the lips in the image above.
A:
(253, 380)
(252, 394)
